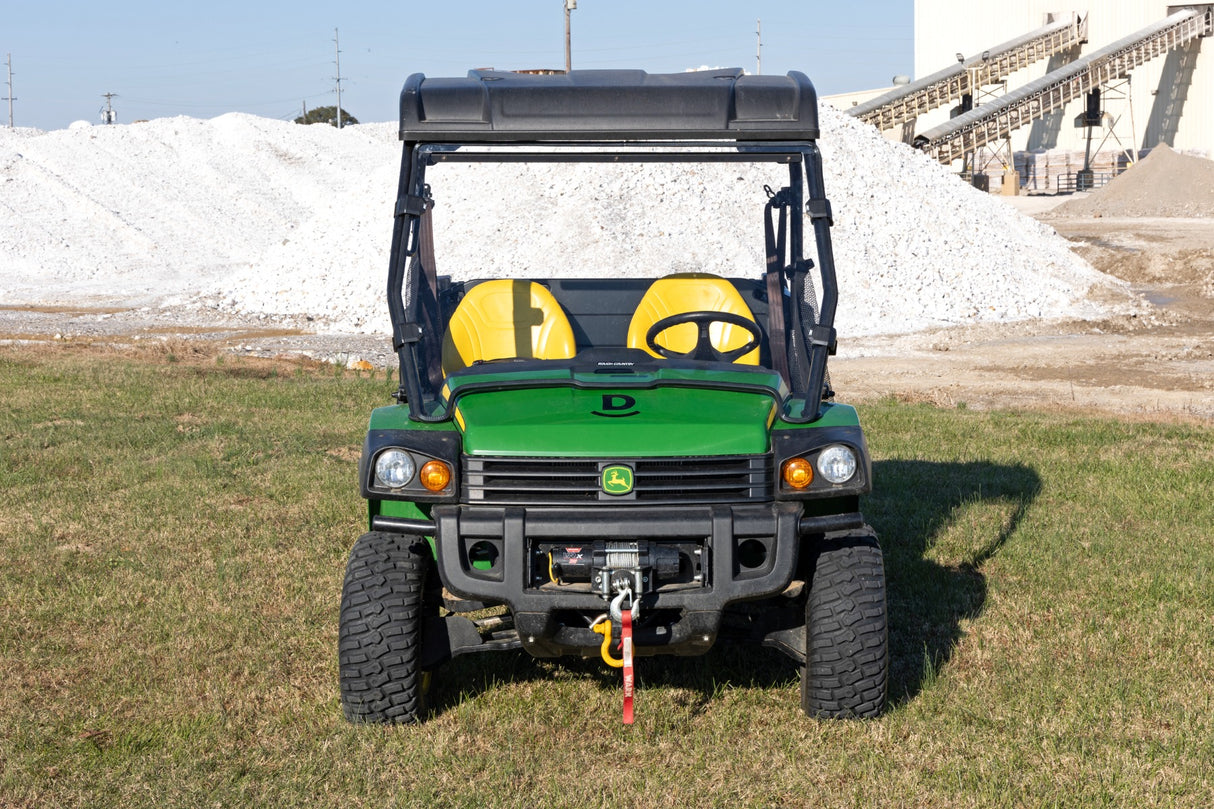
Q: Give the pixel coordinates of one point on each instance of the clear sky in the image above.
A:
(166, 58)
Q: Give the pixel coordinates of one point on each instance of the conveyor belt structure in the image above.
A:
(904, 104)
(989, 122)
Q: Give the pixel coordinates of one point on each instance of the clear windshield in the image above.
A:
(579, 220)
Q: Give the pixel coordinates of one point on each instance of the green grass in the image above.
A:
(173, 533)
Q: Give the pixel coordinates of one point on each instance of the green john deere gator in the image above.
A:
(614, 460)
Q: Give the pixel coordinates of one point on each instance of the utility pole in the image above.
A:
(337, 48)
(108, 116)
(570, 5)
(758, 47)
(11, 99)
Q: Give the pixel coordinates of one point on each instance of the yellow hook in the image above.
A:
(603, 627)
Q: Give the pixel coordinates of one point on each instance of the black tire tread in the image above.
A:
(379, 640)
(847, 668)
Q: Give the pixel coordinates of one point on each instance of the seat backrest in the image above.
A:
(691, 292)
(505, 318)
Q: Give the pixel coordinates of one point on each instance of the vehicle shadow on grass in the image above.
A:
(916, 505)
(977, 505)
(695, 679)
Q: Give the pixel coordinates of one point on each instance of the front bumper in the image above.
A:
(497, 555)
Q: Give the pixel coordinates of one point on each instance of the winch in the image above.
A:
(612, 566)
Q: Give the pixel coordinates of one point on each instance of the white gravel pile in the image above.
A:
(162, 211)
(251, 215)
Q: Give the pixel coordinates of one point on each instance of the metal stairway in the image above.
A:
(990, 122)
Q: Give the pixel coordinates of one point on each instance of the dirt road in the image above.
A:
(1156, 364)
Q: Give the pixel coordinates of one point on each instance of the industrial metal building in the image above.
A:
(1022, 82)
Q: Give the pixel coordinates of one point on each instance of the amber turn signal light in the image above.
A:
(435, 475)
(797, 473)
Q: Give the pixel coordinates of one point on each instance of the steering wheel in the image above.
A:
(704, 349)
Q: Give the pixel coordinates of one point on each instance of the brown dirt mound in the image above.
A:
(1163, 184)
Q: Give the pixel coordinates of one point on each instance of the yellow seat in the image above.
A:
(504, 319)
(692, 292)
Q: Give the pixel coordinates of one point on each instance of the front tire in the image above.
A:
(847, 640)
(380, 637)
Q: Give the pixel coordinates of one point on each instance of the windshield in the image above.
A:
(579, 220)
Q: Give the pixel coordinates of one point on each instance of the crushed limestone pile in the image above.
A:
(1165, 183)
(249, 215)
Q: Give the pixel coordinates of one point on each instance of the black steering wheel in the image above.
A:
(704, 349)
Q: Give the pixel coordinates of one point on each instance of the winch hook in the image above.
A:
(603, 625)
(617, 604)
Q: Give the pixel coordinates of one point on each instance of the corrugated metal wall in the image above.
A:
(1171, 97)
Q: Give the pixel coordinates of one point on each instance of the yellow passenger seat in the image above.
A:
(692, 292)
(503, 319)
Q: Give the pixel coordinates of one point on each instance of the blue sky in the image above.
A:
(204, 59)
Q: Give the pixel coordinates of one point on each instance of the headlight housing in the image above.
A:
(419, 466)
(824, 463)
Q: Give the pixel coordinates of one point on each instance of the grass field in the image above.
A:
(173, 533)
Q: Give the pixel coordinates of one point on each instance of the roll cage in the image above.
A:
(618, 117)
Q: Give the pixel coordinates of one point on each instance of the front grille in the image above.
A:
(656, 481)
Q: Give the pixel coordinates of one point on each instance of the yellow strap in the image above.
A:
(605, 631)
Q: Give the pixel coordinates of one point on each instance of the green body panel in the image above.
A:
(617, 422)
(396, 417)
(399, 508)
(559, 421)
(833, 415)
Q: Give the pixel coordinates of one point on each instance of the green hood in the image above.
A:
(617, 422)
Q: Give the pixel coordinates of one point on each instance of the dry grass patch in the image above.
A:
(173, 536)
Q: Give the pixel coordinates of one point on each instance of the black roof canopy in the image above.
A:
(608, 105)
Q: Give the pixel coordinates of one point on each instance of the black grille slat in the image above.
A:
(540, 481)
(674, 487)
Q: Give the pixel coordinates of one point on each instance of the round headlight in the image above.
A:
(837, 463)
(394, 468)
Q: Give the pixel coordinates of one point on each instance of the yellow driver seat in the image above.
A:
(692, 292)
(503, 319)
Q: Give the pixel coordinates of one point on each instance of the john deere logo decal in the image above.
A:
(617, 480)
(617, 406)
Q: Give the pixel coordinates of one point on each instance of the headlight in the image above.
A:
(837, 463)
(394, 468)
